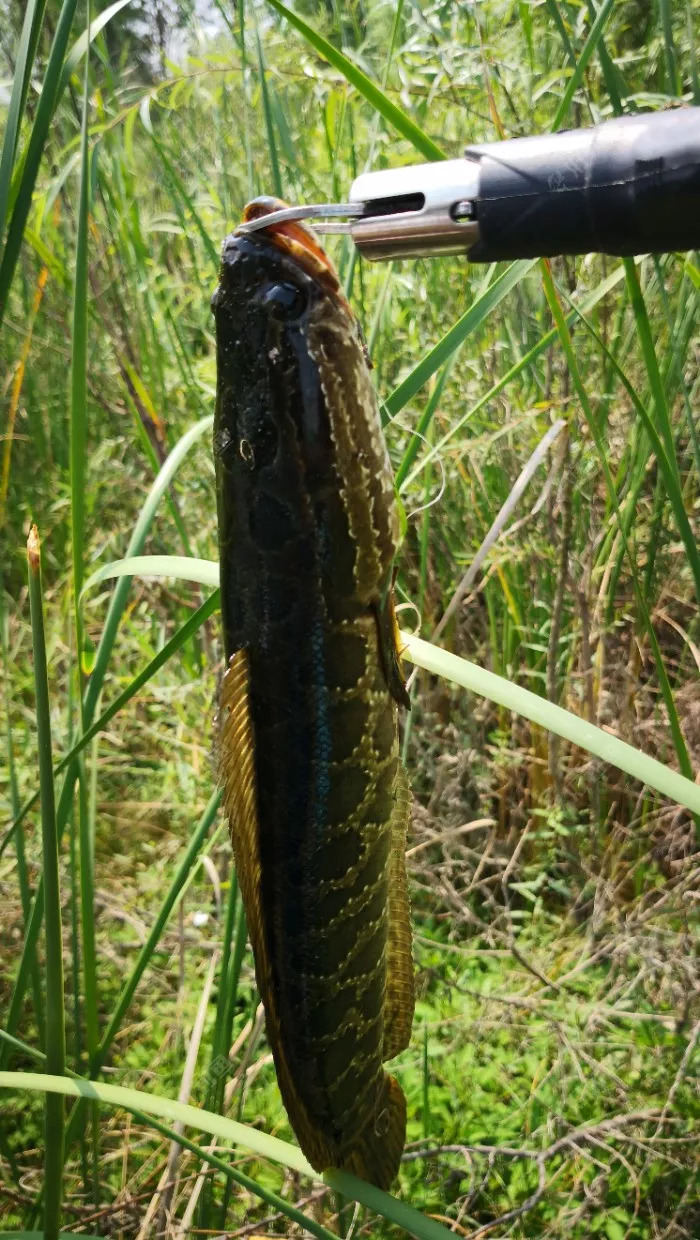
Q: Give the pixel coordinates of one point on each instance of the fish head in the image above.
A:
(277, 275)
(274, 285)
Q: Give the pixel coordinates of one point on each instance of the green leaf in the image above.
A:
(528, 358)
(78, 405)
(668, 469)
(470, 320)
(240, 1134)
(269, 125)
(589, 47)
(182, 567)
(55, 1015)
(94, 688)
(24, 180)
(367, 88)
(562, 722)
(232, 1173)
(673, 85)
(29, 167)
(33, 16)
(496, 688)
(88, 36)
(614, 1230)
(567, 346)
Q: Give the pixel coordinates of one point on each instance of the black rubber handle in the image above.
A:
(628, 186)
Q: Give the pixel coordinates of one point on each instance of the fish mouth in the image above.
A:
(294, 238)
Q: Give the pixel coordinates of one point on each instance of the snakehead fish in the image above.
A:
(308, 744)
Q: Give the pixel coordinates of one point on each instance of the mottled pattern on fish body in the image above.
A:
(316, 798)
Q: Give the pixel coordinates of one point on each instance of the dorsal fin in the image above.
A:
(400, 989)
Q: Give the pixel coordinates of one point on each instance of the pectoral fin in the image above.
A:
(390, 648)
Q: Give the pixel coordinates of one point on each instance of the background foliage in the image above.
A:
(550, 1080)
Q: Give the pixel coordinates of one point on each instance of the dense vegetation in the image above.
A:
(550, 1077)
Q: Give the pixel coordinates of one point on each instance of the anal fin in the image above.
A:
(236, 753)
(390, 648)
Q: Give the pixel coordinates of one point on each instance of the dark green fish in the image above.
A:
(317, 800)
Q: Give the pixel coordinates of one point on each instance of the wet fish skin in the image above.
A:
(317, 801)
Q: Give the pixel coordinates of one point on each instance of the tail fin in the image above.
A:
(377, 1154)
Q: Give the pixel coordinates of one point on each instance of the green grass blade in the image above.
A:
(594, 36)
(58, 71)
(672, 82)
(646, 342)
(88, 36)
(229, 1130)
(269, 125)
(55, 1016)
(231, 1172)
(78, 407)
(526, 360)
(33, 17)
(182, 193)
(425, 1118)
(692, 53)
(22, 871)
(75, 959)
(670, 475)
(366, 87)
(627, 758)
(171, 647)
(234, 1176)
(682, 331)
(223, 1025)
(158, 488)
(30, 166)
(232, 980)
(219, 1042)
(615, 83)
(78, 449)
(470, 320)
(425, 423)
(205, 572)
(104, 650)
(151, 454)
(86, 837)
(567, 346)
(562, 722)
(553, 10)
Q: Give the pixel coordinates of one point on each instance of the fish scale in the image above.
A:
(316, 798)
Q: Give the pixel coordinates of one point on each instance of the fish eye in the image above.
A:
(285, 301)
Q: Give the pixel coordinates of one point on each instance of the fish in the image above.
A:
(317, 800)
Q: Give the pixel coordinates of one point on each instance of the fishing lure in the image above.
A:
(316, 798)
